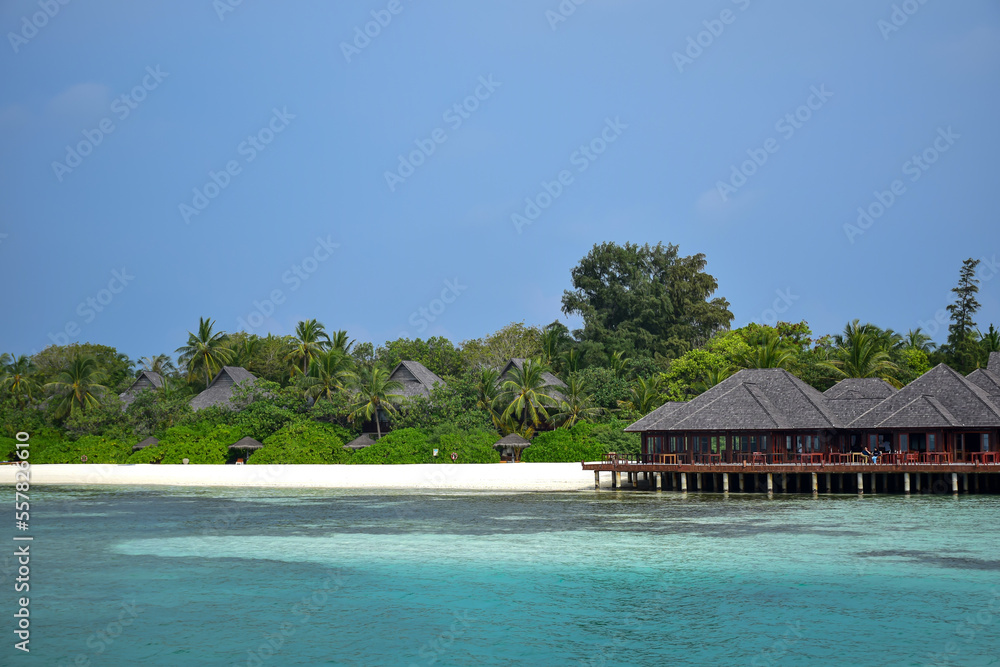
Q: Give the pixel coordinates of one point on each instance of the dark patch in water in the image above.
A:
(937, 560)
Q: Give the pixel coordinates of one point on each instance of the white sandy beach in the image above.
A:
(482, 477)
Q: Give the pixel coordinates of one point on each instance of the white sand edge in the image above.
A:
(483, 477)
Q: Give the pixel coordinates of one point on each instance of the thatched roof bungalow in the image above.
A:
(220, 390)
(511, 446)
(246, 444)
(360, 442)
(146, 380)
(417, 379)
(148, 442)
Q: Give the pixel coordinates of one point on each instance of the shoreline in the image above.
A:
(466, 477)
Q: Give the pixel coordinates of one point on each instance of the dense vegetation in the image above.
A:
(652, 332)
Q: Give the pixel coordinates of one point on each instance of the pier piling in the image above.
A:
(815, 483)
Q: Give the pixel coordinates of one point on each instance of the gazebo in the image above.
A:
(247, 444)
(360, 442)
(510, 447)
(148, 442)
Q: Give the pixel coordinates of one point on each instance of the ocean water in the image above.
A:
(142, 576)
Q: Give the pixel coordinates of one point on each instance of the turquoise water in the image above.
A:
(252, 577)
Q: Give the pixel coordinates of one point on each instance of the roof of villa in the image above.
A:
(957, 402)
(360, 442)
(148, 442)
(145, 380)
(988, 382)
(852, 397)
(246, 443)
(994, 363)
(417, 379)
(512, 440)
(752, 399)
(220, 390)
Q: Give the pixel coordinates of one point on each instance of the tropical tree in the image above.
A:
(77, 387)
(645, 395)
(916, 339)
(571, 360)
(767, 350)
(310, 339)
(205, 351)
(713, 376)
(17, 377)
(340, 341)
(861, 353)
(374, 393)
(961, 339)
(617, 362)
(329, 374)
(161, 364)
(527, 395)
(575, 405)
(989, 342)
(245, 349)
(488, 393)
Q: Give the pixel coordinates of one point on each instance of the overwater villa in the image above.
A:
(768, 421)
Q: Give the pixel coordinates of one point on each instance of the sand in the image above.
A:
(484, 477)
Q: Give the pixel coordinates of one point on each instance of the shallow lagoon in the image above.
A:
(285, 577)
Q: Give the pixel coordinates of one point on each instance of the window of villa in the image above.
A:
(872, 439)
(930, 442)
(904, 444)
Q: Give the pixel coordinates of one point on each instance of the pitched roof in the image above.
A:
(988, 382)
(221, 388)
(921, 412)
(360, 442)
(145, 380)
(994, 363)
(417, 379)
(512, 440)
(653, 417)
(148, 442)
(966, 404)
(246, 443)
(759, 398)
(852, 397)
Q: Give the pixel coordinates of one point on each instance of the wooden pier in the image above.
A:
(849, 478)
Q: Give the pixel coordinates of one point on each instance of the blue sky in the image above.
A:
(243, 175)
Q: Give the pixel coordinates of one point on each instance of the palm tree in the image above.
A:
(617, 362)
(488, 393)
(161, 364)
(768, 351)
(373, 394)
(713, 377)
(205, 350)
(526, 395)
(990, 341)
(645, 395)
(862, 354)
(17, 378)
(244, 348)
(329, 374)
(77, 386)
(575, 405)
(310, 339)
(571, 361)
(916, 339)
(340, 341)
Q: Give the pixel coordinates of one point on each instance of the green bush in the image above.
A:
(411, 445)
(199, 443)
(262, 419)
(565, 445)
(613, 439)
(302, 442)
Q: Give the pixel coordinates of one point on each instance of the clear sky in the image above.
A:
(161, 161)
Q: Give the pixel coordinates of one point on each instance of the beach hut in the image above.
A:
(145, 381)
(220, 390)
(148, 442)
(246, 446)
(360, 442)
(511, 446)
(417, 379)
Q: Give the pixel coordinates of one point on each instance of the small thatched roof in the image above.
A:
(513, 440)
(145, 380)
(360, 442)
(417, 379)
(246, 443)
(221, 389)
(148, 442)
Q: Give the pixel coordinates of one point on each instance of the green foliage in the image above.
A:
(514, 341)
(115, 367)
(565, 445)
(680, 382)
(913, 363)
(261, 419)
(41, 441)
(411, 445)
(962, 344)
(305, 442)
(97, 449)
(645, 299)
(153, 412)
(605, 387)
(613, 438)
(454, 404)
(200, 443)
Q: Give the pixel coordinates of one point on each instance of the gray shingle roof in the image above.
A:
(653, 417)
(221, 389)
(416, 378)
(145, 380)
(921, 412)
(852, 397)
(759, 398)
(988, 382)
(360, 442)
(966, 404)
(994, 364)
(148, 442)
